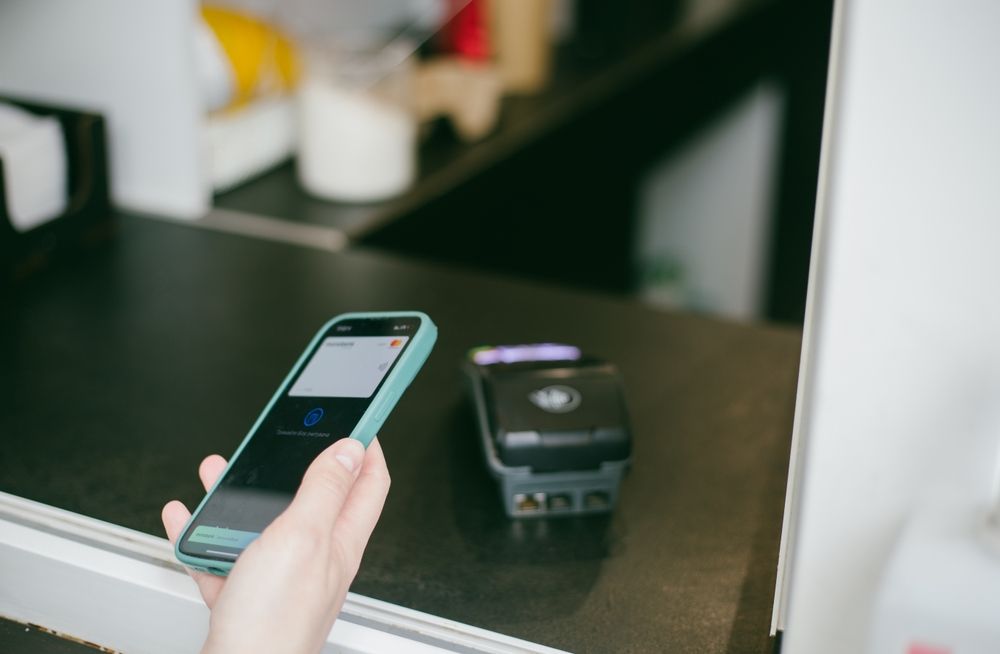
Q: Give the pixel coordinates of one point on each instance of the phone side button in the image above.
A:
(387, 404)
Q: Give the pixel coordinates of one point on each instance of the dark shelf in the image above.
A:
(551, 194)
(579, 86)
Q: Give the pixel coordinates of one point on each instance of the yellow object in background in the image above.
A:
(519, 32)
(261, 59)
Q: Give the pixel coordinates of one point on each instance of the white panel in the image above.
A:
(902, 392)
(132, 62)
(123, 589)
(707, 210)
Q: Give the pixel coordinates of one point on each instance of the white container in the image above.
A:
(357, 131)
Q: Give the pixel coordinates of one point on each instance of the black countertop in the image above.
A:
(119, 372)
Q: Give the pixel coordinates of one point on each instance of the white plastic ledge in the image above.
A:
(123, 590)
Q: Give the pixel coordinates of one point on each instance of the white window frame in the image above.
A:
(122, 589)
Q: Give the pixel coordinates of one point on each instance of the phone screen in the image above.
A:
(321, 404)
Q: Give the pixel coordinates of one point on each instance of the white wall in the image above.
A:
(900, 398)
(133, 62)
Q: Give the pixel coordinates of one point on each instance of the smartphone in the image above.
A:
(343, 386)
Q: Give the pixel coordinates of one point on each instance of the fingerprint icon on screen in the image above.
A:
(313, 417)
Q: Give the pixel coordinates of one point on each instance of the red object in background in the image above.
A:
(467, 33)
(921, 648)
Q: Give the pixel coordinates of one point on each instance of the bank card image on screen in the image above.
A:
(323, 402)
(348, 366)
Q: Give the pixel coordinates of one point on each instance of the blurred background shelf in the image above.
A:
(689, 135)
(558, 182)
(579, 86)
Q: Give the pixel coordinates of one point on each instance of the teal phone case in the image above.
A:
(367, 428)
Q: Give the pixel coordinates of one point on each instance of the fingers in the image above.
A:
(327, 483)
(210, 469)
(364, 505)
(175, 515)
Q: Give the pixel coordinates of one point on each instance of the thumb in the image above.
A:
(327, 483)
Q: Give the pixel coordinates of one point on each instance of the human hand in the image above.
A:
(286, 589)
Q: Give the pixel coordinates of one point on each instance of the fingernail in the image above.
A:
(351, 454)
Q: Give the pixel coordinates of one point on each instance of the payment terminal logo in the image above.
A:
(313, 417)
(556, 399)
(396, 342)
